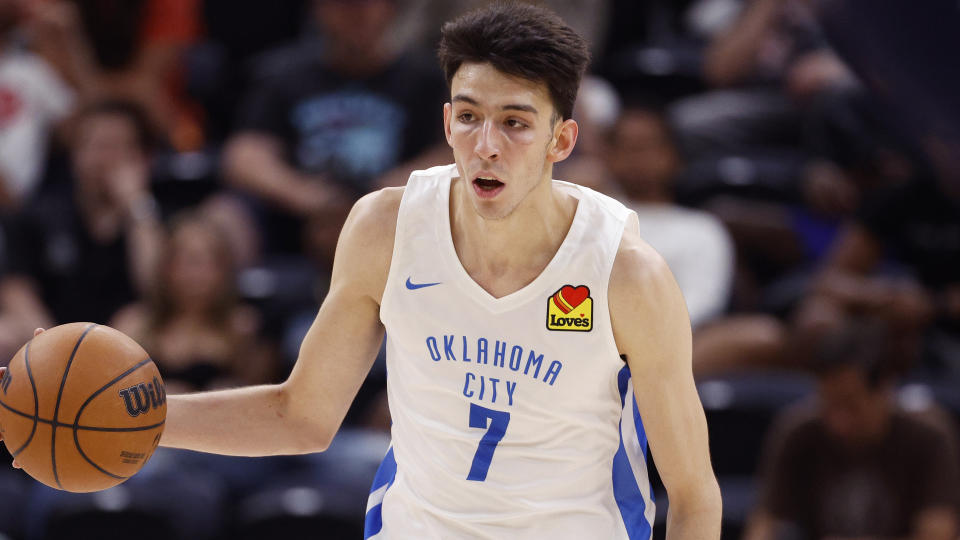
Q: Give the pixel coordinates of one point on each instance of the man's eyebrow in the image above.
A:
(516, 107)
(466, 99)
(508, 107)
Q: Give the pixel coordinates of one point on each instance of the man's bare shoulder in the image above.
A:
(377, 210)
(644, 294)
(637, 266)
(366, 242)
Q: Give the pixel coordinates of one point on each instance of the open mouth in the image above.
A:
(487, 184)
(487, 187)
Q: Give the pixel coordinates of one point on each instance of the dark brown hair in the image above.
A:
(520, 40)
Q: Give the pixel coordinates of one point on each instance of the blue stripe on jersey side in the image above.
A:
(622, 379)
(629, 498)
(386, 473)
(641, 433)
(626, 491)
(642, 438)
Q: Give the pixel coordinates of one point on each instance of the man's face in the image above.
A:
(854, 413)
(503, 135)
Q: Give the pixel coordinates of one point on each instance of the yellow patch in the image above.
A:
(570, 309)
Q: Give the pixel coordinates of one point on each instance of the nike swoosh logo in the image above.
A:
(415, 286)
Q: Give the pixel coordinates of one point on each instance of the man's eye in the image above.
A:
(465, 117)
(514, 123)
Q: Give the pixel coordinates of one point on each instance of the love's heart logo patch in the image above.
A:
(570, 309)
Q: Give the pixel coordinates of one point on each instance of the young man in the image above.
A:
(509, 301)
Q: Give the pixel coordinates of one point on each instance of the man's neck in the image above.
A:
(504, 255)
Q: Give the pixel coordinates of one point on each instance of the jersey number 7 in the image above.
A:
(496, 431)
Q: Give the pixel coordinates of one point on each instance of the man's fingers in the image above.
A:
(37, 332)
(16, 465)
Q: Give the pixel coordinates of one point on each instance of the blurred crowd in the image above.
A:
(180, 170)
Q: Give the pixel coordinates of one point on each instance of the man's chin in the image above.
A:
(491, 210)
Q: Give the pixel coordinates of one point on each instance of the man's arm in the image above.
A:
(302, 414)
(652, 328)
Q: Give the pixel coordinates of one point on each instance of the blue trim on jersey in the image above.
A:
(385, 476)
(622, 379)
(629, 498)
(641, 433)
(626, 490)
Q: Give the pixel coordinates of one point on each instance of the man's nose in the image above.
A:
(488, 144)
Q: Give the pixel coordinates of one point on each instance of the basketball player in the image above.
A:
(535, 343)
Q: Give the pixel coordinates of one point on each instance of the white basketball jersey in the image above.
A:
(513, 417)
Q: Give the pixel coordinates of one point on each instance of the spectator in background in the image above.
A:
(855, 465)
(192, 323)
(328, 121)
(221, 64)
(89, 240)
(131, 50)
(34, 101)
(915, 226)
(768, 61)
(645, 161)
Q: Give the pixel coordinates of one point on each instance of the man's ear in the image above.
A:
(447, 113)
(564, 139)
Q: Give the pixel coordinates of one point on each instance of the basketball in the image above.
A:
(82, 407)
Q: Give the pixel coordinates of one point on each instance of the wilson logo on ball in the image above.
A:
(140, 398)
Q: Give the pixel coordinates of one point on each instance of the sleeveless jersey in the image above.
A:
(513, 417)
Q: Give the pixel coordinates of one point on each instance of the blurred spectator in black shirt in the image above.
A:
(329, 120)
(854, 464)
(90, 238)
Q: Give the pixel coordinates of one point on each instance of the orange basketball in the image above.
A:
(82, 407)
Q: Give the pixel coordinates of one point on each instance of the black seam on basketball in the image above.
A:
(36, 402)
(76, 441)
(77, 426)
(56, 408)
(76, 420)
